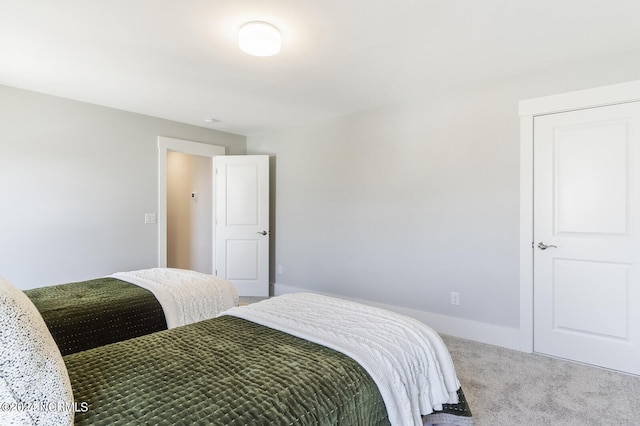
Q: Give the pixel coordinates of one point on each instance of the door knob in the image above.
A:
(543, 246)
(264, 233)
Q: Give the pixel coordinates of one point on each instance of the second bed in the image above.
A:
(87, 314)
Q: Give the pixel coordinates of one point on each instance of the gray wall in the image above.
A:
(75, 182)
(404, 204)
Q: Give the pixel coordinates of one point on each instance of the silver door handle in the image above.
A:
(543, 246)
(264, 233)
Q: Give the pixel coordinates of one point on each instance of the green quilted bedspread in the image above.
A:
(223, 371)
(87, 314)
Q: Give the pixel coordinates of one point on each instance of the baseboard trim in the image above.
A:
(457, 327)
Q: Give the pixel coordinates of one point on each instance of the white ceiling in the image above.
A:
(178, 59)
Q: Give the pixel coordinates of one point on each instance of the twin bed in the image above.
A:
(88, 314)
(296, 359)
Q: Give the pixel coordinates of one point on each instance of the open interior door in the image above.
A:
(242, 222)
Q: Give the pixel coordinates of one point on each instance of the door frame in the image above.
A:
(528, 110)
(165, 145)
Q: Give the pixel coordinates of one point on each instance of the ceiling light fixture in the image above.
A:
(259, 39)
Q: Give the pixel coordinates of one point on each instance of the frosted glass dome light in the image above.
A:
(259, 39)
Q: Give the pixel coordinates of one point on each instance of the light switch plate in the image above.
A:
(149, 218)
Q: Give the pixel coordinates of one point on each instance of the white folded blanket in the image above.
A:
(185, 296)
(406, 359)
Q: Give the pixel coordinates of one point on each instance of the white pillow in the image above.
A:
(34, 384)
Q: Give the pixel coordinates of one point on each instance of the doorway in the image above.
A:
(165, 147)
(189, 212)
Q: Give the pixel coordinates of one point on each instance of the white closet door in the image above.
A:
(586, 195)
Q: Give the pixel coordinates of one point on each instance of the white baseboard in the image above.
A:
(457, 327)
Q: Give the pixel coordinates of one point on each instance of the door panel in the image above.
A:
(581, 288)
(242, 222)
(242, 196)
(586, 193)
(242, 260)
(592, 180)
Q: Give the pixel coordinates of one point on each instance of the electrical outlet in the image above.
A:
(455, 298)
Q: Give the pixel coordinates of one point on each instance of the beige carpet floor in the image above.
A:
(506, 387)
